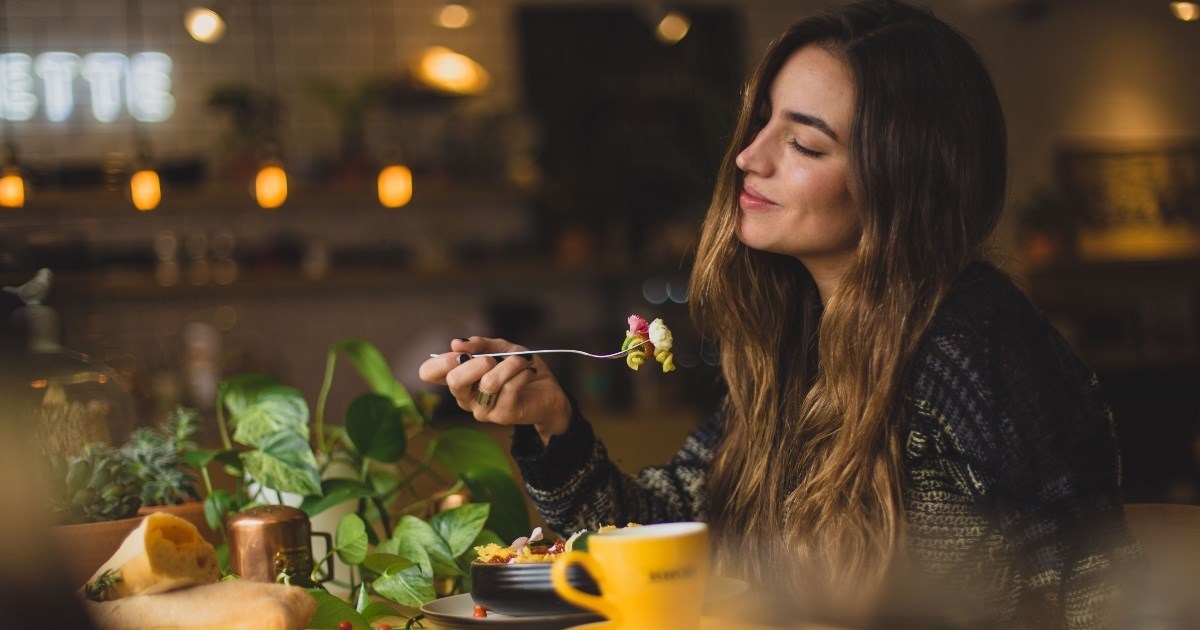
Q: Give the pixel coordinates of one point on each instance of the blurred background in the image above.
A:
(232, 188)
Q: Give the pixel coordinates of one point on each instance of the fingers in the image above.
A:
(504, 405)
(488, 387)
(435, 369)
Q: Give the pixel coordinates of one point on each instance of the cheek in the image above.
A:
(834, 208)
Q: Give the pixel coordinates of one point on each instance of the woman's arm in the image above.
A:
(574, 485)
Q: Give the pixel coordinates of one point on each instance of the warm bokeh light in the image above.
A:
(673, 27)
(446, 70)
(145, 190)
(454, 15)
(12, 189)
(271, 186)
(204, 25)
(1186, 11)
(395, 186)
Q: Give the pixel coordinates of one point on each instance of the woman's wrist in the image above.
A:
(557, 422)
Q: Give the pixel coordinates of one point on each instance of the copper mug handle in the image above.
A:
(272, 540)
(329, 559)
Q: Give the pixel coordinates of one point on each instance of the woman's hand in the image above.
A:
(513, 390)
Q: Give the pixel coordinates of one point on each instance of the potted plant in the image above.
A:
(397, 547)
(158, 457)
(98, 495)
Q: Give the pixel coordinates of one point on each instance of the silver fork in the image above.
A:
(614, 355)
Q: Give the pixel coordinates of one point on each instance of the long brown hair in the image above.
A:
(808, 477)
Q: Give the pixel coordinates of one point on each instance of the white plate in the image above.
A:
(457, 611)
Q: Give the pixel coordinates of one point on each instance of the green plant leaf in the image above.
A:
(232, 462)
(275, 409)
(379, 610)
(413, 532)
(199, 458)
(375, 370)
(381, 562)
(284, 461)
(509, 515)
(487, 536)
(408, 548)
(239, 392)
(376, 428)
(384, 481)
(460, 526)
(332, 610)
(408, 587)
(334, 492)
(350, 539)
(216, 506)
(462, 449)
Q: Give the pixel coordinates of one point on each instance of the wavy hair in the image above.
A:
(809, 472)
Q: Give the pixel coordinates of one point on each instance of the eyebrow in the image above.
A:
(811, 121)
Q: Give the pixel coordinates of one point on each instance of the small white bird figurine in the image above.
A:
(36, 290)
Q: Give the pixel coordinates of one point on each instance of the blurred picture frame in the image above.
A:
(1132, 199)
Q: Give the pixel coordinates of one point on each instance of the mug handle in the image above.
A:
(562, 586)
(328, 548)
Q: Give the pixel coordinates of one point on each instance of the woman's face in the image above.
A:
(794, 199)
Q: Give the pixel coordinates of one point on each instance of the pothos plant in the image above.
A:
(386, 452)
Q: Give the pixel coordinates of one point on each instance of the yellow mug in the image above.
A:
(651, 577)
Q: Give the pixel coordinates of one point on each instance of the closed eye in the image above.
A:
(803, 150)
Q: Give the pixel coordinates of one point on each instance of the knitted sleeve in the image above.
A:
(1028, 437)
(574, 485)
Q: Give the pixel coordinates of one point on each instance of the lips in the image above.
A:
(751, 200)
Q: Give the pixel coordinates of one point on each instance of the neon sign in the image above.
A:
(146, 77)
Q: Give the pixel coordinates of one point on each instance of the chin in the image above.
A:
(755, 242)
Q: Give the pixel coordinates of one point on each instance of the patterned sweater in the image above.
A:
(1011, 470)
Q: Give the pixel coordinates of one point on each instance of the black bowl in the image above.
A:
(524, 589)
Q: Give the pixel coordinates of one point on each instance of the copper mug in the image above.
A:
(268, 541)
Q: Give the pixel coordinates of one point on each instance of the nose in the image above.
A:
(752, 158)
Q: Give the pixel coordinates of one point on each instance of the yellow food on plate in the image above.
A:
(522, 551)
(164, 553)
(228, 605)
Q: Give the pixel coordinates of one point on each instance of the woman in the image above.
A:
(899, 418)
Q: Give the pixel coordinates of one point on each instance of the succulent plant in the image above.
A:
(157, 456)
(105, 483)
(100, 486)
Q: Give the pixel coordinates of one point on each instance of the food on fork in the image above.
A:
(657, 339)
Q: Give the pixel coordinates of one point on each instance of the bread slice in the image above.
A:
(164, 553)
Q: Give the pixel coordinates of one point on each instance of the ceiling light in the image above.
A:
(204, 25)
(145, 189)
(454, 15)
(395, 186)
(446, 70)
(270, 185)
(672, 27)
(1186, 11)
(12, 188)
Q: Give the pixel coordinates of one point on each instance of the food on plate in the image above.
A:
(164, 553)
(534, 547)
(228, 605)
(523, 549)
(656, 339)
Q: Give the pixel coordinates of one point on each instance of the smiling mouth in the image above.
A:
(748, 200)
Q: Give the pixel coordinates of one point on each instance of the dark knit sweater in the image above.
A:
(1011, 468)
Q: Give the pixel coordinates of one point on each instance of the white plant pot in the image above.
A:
(325, 522)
